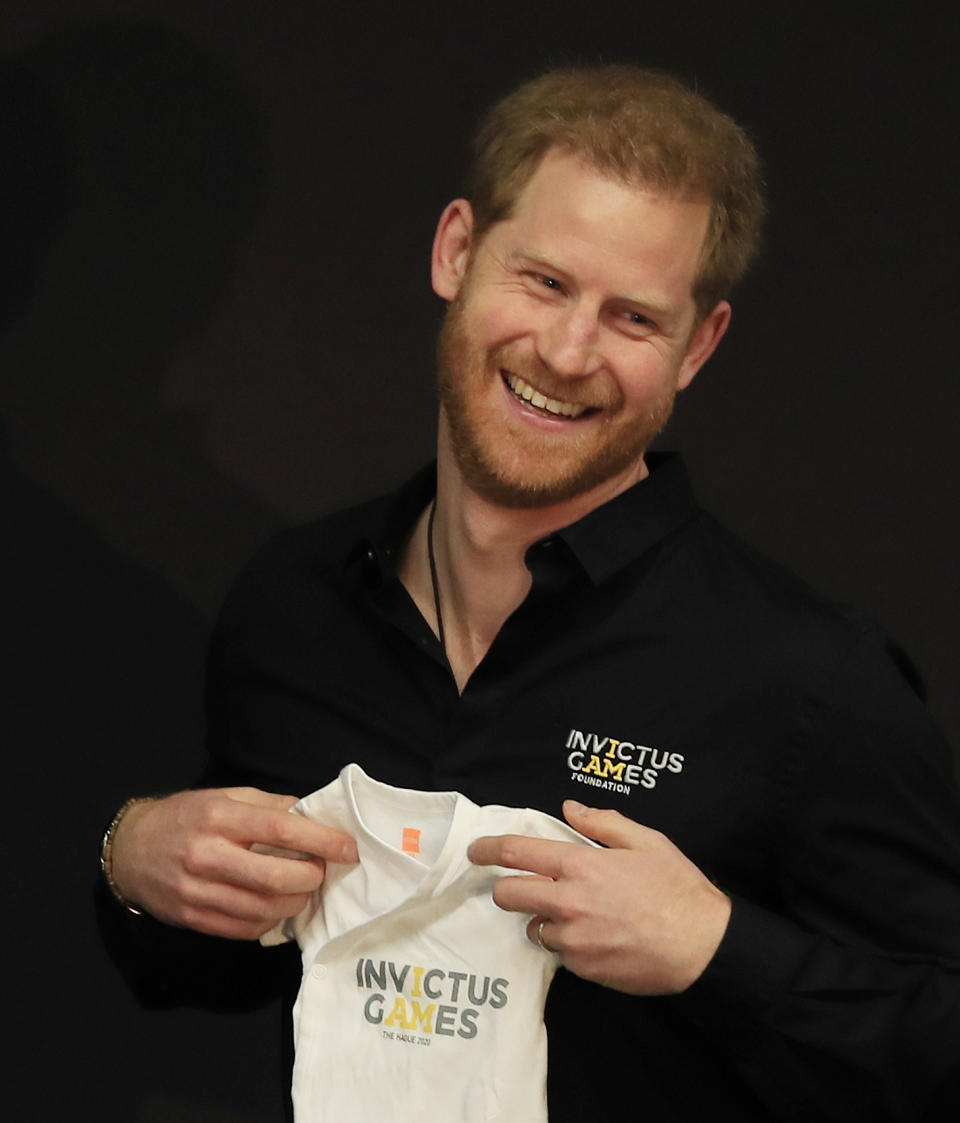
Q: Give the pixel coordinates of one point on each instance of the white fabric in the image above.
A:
(420, 997)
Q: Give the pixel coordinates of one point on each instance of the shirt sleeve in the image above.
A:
(168, 967)
(843, 1001)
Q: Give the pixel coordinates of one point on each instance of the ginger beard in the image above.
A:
(548, 468)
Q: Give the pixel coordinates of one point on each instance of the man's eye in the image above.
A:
(638, 319)
(548, 282)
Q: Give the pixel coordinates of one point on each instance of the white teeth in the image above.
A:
(527, 393)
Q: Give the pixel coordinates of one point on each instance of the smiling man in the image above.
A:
(769, 928)
(572, 325)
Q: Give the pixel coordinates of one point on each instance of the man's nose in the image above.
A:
(568, 343)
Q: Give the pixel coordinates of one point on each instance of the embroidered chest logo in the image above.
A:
(614, 765)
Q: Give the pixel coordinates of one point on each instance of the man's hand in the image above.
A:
(228, 862)
(638, 917)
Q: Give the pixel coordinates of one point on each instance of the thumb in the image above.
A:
(604, 825)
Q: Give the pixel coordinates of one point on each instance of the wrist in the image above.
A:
(108, 851)
(711, 928)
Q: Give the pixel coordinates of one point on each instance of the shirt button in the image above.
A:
(319, 971)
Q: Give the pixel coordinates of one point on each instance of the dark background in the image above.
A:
(216, 320)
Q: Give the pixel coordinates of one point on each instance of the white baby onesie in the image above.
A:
(420, 997)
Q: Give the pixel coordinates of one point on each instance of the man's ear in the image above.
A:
(703, 343)
(451, 248)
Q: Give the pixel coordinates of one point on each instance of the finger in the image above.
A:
(228, 927)
(272, 875)
(607, 826)
(221, 860)
(221, 910)
(536, 895)
(280, 852)
(246, 823)
(517, 852)
(253, 908)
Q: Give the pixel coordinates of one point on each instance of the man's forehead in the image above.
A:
(568, 196)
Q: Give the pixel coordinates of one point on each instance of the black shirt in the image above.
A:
(660, 667)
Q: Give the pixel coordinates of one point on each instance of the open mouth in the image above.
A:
(549, 407)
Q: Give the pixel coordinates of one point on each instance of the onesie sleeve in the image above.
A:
(844, 1002)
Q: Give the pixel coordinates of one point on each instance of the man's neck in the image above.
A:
(478, 550)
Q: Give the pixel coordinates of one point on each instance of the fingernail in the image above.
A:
(349, 852)
(575, 807)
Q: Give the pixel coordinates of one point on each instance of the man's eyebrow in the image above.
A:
(528, 258)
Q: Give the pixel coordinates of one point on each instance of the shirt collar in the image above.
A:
(618, 532)
(602, 542)
(386, 526)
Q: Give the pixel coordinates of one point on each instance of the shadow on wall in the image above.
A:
(158, 174)
(133, 164)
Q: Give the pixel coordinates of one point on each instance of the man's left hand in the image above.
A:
(638, 916)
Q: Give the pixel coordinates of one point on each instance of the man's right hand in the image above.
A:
(188, 860)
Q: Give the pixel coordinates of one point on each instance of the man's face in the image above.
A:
(570, 329)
